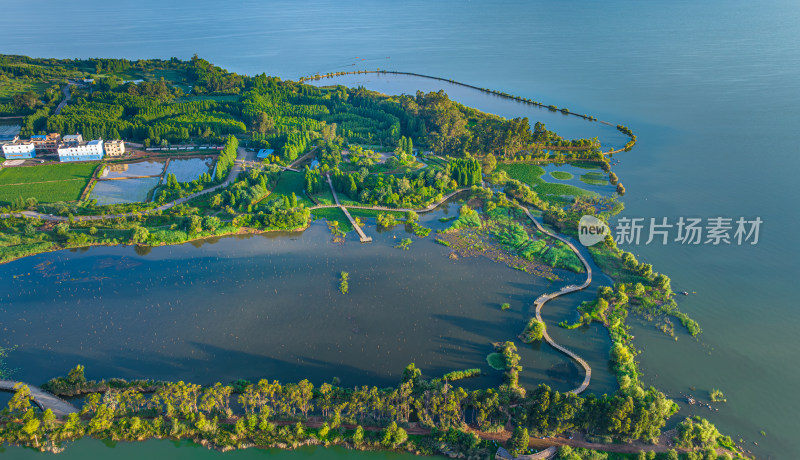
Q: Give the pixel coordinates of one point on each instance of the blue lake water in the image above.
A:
(710, 88)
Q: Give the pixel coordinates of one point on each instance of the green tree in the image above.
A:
(263, 123)
(533, 331)
(76, 376)
(21, 401)
(489, 163)
(27, 100)
(518, 443)
(31, 426)
(139, 234)
(172, 181)
(393, 436)
(411, 374)
(358, 436)
(211, 223)
(62, 229)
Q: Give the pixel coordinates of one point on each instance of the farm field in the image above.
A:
(44, 192)
(43, 173)
(46, 183)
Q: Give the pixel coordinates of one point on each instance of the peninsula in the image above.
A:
(161, 152)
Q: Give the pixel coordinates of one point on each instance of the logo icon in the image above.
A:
(592, 230)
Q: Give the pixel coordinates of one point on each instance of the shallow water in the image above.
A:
(123, 191)
(254, 307)
(179, 450)
(141, 168)
(189, 169)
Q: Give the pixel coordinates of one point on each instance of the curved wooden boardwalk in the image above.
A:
(544, 298)
(42, 398)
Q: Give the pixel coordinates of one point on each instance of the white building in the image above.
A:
(19, 150)
(92, 150)
(114, 148)
(72, 139)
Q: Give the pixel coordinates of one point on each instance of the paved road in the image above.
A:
(67, 97)
(42, 398)
(565, 290)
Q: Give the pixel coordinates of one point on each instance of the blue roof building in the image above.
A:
(264, 153)
(92, 150)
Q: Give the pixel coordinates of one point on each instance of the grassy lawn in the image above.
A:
(68, 181)
(532, 175)
(13, 86)
(561, 175)
(68, 190)
(325, 197)
(289, 182)
(381, 168)
(584, 164)
(365, 213)
(611, 264)
(529, 174)
(546, 188)
(333, 215)
(435, 162)
(68, 171)
(594, 178)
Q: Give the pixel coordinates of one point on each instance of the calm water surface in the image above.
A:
(257, 307)
(179, 450)
(710, 88)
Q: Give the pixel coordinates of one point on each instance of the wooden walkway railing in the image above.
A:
(565, 290)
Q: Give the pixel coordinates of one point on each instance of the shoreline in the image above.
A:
(502, 94)
(241, 231)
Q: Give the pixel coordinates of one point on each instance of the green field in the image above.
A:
(291, 182)
(46, 183)
(42, 173)
(366, 213)
(434, 162)
(561, 175)
(594, 178)
(48, 192)
(546, 188)
(529, 174)
(11, 87)
(326, 196)
(532, 175)
(609, 261)
(333, 215)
